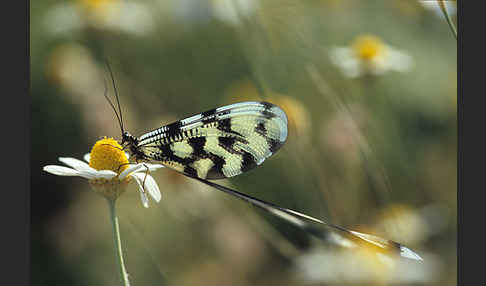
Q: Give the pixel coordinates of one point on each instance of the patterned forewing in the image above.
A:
(219, 143)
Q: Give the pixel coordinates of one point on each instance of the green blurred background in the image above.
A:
(374, 153)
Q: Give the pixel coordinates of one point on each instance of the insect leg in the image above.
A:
(113, 146)
(121, 165)
(146, 173)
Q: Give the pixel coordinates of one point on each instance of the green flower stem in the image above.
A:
(448, 18)
(117, 241)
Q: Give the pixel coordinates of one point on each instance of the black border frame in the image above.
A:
(16, 208)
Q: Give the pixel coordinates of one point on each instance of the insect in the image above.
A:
(216, 144)
(225, 142)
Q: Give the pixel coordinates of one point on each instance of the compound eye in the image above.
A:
(125, 137)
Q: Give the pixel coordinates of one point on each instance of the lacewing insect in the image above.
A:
(225, 142)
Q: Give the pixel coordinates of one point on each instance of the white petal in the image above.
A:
(345, 60)
(379, 65)
(76, 164)
(153, 188)
(106, 174)
(85, 170)
(86, 157)
(350, 67)
(143, 196)
(150, 186)
(400, 61)
(339, 54)
(64, 171)
(88, 175)
(60, 170)
(144, 199)
(130, 169)
(153, 167)
(93, 174)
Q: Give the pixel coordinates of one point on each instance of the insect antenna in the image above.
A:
(118, 114)
(109, 101)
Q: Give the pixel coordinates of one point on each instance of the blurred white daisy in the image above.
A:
(109, 171)
(361, 266)
(369, 55)
(123, 16)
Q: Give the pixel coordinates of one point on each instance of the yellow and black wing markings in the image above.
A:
(219, 143)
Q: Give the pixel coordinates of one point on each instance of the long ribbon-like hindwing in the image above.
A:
(317, 227)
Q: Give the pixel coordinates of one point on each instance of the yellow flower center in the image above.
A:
(107, 154)
(368, 47)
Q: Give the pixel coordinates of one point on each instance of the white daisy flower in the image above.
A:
(322, 265)
(369, 55)
(131, 17)
(109, 172)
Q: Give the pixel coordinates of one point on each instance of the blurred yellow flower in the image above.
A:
(411, 225)
(368, 47)
(298, 116)
(368, 54)
(299, 120)
(99, 9)
(402, 223)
